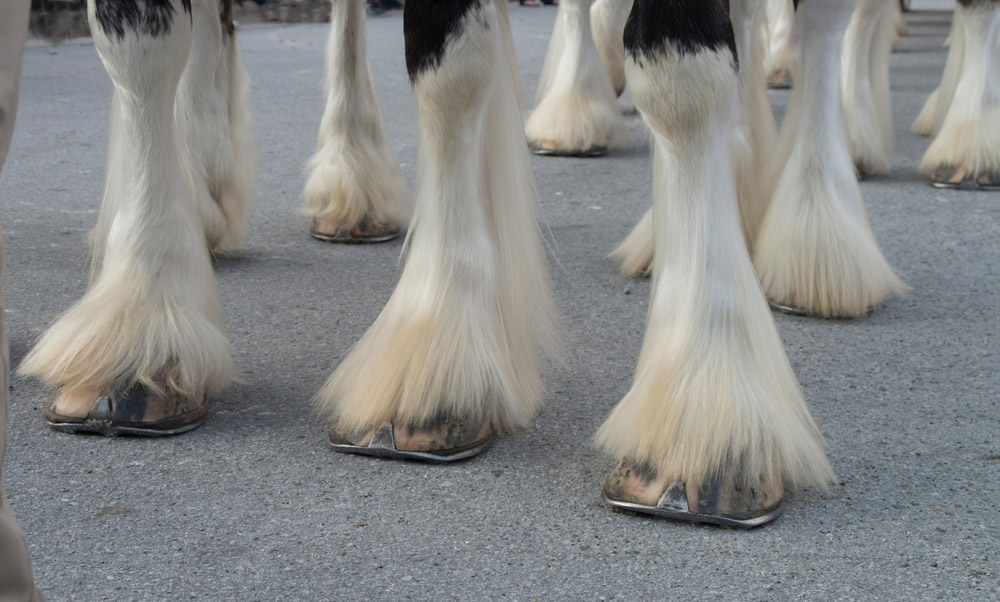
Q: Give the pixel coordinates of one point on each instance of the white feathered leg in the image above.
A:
(355, 191)
(462, 334)
(968, 144)
(878, 73)
(215, 126)
(816, 251)
(714, 403)
(214, 132)
(635, 253)
(607, 21)
(578, 114)
(782, 42)
(928, 122)
(754, 131)
(754, 137)
(862, 117)
(152, 314)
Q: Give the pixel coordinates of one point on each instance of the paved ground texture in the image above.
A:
(253, 506)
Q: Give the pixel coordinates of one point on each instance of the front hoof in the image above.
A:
(441, 441)
(636, 488)
(365, 232)
(135, 411)
(545, 149)
(948, 177)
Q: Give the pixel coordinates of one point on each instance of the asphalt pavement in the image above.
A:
(253, 506)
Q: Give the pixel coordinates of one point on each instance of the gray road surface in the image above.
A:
(253, 506)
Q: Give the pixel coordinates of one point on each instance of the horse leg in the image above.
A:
(576, 112)
(355, 192)
(607, 22)
(215, 136)
(143, 349)
(862, 116)
(215, 126)
(714, 423)
(782, 43)
(928, 122)
(968, 144)
(754, 132)
(815, 251)
(454, 356)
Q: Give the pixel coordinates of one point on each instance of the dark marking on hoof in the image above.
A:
(793, 310)
(596, 151)
(366, 232)
(124, 413)
(717, 502)
(442, 441)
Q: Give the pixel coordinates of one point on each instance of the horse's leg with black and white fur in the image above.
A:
(454, 357)
(968, 145)
(143, 349)
(577, 113)
(714, 425)
(815, 251)
(754, 136)
(863, 91)
(607, 22)
(214, 133)
(355, 192)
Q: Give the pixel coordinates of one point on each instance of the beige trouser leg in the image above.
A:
(15, 569)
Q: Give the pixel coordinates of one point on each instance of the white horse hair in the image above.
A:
(882, 45)
(635, 253)
(754, 131)
(713, 395)
(152, 314)
(464, 331)
(928, 122)
(607, 22)
(816, 250)
(782, 41)
(215, 135)
(577, 109)
(970, 132)
(353, 175)
(754, 136)
(867, 46)
(215, 130)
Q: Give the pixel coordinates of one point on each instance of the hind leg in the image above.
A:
(968, 144)
(215, 126)
(454, 356)
(607, 22)
(862, 92)
(355, 192)
(928, 122)
(815, 251)
(142, 350)
(576, 113)
(782, 43)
